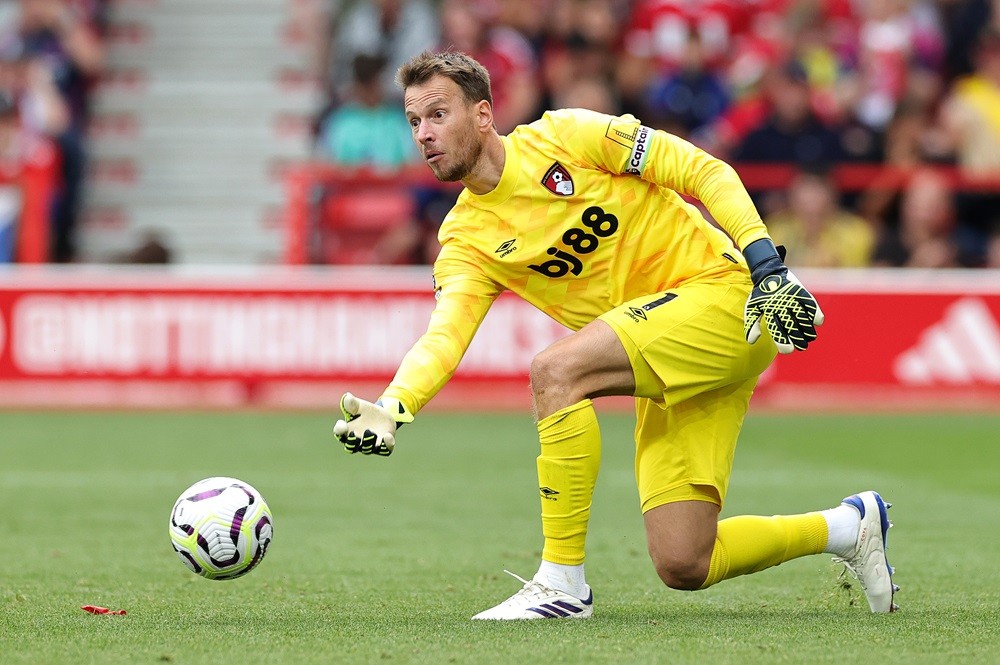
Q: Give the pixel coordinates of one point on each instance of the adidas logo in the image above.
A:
(963, 347)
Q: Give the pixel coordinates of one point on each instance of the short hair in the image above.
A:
(470, 76)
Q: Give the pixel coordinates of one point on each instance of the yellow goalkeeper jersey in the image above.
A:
(588, 214)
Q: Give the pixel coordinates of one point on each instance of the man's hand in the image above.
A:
(367, 428)
(789, 311)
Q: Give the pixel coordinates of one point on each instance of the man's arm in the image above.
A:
(778, 299)
(464, 298)
(788, 310)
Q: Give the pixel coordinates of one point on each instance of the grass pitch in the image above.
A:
(384, 560)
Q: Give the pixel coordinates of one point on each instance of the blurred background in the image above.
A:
(266, 137)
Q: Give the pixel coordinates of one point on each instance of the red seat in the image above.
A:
(354, 221)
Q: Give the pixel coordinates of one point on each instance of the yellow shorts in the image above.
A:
(694, 375)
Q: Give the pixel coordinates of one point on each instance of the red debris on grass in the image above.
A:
(94, 609)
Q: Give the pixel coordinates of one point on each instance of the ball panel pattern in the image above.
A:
(221, 528)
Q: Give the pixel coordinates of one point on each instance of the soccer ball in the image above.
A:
(220, 528)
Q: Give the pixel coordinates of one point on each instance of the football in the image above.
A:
(221, 528)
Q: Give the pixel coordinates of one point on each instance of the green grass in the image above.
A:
(385, 560)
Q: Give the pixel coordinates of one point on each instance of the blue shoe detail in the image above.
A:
(883, 515)
(855, 500)
(884, 518)
(566, 606)
(552, 608)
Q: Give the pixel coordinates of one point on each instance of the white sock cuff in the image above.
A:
(842, 524)
(568, 579)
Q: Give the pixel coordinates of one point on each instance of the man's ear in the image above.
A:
(484, 115)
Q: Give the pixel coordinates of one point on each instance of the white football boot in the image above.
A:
(537, 601)
(868, 563)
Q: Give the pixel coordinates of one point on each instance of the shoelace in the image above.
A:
(531, 587)
(848, 568)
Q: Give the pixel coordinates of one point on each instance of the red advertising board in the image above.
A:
(187, 338)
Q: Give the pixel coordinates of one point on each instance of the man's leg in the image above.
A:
(589, 363)
(690, 550)
(564, 377)
(684, 455)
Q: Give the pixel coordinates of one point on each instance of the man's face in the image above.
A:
(445, 127)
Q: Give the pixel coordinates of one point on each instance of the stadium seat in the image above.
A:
(354, 221)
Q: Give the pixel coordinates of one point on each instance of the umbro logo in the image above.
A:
(548, 493)
(506, 248)
(962, 348)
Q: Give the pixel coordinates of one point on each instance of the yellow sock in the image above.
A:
(567, 472)
(748, 543)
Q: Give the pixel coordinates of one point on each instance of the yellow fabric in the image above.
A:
(748, 543)
(689, 444)
(688, 340)
(694, 375)
(843, 241)
(567, 472)
(621, 230)
(685, 492)
(984, 96)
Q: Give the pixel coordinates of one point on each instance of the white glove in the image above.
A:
(370, 428)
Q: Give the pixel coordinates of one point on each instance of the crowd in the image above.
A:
(51, 52)
(815, 84)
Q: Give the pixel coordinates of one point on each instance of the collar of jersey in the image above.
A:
(508, 179)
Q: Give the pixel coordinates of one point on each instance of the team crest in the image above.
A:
(558, 181)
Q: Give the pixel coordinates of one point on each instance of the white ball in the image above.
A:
(221, 528)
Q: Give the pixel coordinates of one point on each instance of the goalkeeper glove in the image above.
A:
(789, 311)
(367, 428)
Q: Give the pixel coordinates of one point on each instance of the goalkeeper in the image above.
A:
(583, 215)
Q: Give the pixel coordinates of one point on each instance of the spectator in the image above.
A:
(11, 155)
(926, 234)
(580, 45)
(899, 47)
(963, 22)
(910, 141)
(971, 112)
(504, 52)
(816, 232)
(689, 99)
(151, 249)
(993, 252)
(792, 133)
(970, 118)
(658, 32)
(54, 33)
(531, 18)
(369, 130)
(394, 30)
(587, 93)
(366, 129)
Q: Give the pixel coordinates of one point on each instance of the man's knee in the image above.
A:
(684, 574)
(550, 370)
(681, 536)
